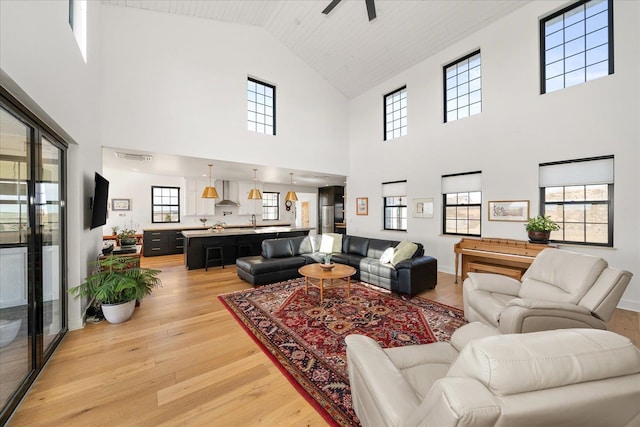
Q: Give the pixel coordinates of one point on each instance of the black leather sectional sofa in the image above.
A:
(281, 259)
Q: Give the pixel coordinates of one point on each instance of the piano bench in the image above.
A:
(485, 267)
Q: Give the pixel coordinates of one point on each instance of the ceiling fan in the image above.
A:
(371, 8)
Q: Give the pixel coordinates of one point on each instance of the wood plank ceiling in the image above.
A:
(351, 53)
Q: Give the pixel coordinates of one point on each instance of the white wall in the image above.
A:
(517, 130)
(137, 187)
(40, 54)
(177, 85)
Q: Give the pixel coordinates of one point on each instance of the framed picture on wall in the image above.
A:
(362, 206)
(422, 208)
(120, 204)
(509, 210)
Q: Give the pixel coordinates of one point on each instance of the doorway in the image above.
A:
(32, 250)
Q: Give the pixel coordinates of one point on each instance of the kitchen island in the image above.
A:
(235, 242)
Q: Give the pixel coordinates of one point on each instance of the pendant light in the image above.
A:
(291, 195)
(210, 192)
(255, 194)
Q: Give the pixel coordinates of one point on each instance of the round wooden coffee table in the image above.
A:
(314, 271)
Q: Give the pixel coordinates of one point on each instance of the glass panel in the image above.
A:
(574, 213)
(597, 38)
(47, 210)
(474, 227)
(597, 21)
(15, 336)
(475, 197)
(574, 232)
(574, 193)
(595, 6)
(597, 213)
(575, 77)
(597, 233)
(597, 192)
(598, 54)
(574, 46)
(598, 70)
(554, 194)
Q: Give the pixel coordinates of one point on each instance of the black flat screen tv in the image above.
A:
(100, 201)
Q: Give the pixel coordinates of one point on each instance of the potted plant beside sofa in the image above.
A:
(540, 228)
(116, 285)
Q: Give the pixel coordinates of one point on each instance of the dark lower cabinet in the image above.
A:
(233, 247)
(163, 242)
(155, 243)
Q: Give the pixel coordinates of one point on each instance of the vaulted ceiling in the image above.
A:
(349, 51)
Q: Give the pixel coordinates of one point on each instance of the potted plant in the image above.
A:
(114, 230)
(540, 228)
(127, 237)
(116, 284)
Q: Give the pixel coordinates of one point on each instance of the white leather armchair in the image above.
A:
(561, 289)
(571, 377)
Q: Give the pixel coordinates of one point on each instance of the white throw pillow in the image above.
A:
(337, 242)
(386, 256)
(404, 251)
(326, 244)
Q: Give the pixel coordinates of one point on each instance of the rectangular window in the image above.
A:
(463, 88)
(394, 196)
(395, 114)
(78, 23)
(261, 107)
(578, 195)
(270, 205)
(462, 201)
(165, 204)
(576, 45)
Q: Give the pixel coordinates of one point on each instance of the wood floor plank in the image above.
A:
(184, 360)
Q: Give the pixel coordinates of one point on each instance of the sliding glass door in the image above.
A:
(32, 250)
(16, 335)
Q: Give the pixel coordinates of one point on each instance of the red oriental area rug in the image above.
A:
(307, 339)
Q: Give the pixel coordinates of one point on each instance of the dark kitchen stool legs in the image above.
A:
(213, 254)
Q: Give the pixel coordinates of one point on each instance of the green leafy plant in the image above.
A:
(541, 223)
(116, 281)
(126, 233)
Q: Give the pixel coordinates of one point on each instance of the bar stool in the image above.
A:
(213, 253)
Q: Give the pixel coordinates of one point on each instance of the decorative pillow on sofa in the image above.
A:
(386, 256)
(331, 242)
(404, 251)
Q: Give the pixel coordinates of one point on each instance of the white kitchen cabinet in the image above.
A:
(196, 205)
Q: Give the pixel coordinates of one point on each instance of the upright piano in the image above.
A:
(490, 255)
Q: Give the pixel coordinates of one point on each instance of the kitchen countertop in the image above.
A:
(241, 231)
(201, 228)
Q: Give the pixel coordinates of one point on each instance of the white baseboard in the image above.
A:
(627, 304)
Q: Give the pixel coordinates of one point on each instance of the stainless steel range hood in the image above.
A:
(225, 201)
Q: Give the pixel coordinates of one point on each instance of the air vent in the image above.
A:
(134, 157)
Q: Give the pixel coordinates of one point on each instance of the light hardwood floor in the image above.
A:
(183, 360)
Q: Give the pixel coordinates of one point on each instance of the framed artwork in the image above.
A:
(120, 204)
(362, 206)
(509, 210)
(422, 208)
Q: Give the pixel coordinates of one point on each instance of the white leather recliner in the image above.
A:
(569, 377)
(561, 289)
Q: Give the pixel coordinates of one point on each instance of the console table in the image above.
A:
(508, 257)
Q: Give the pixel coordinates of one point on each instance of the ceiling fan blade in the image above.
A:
(329, 8)
(371, 9)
